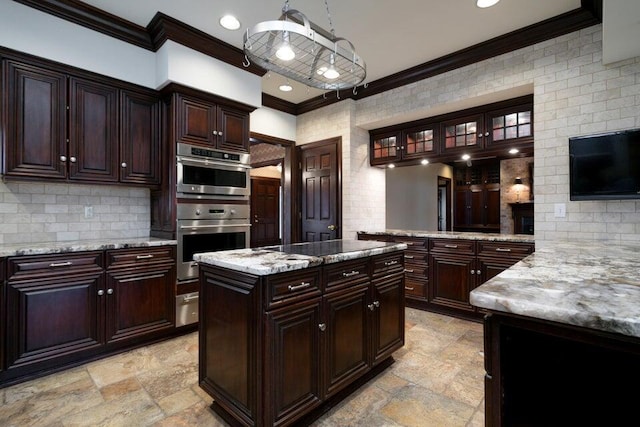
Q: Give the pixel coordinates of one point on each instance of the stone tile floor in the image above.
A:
(436, 380)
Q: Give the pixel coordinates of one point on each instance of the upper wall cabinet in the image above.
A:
(487, 131)
(78, 128)
(203, 122)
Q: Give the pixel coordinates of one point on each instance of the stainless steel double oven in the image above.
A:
(212, 193)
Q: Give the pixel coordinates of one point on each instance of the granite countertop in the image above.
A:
(491, 237)
(594, 285)
(277, 259)
(80, 246)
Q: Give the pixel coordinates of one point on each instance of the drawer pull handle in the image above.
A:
(144, 256)
(409, 257)
(408, 270)
(503, 250)
(322, 326)
(408, 288)
(388, 263)
(352, 273)
(189, 299)
(408, 243)
(451, 246)
(60, 264)
(293, 288)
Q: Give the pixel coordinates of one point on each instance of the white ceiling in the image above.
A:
(390, 36)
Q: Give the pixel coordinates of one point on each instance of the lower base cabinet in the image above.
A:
(311, 333)
(65, 308)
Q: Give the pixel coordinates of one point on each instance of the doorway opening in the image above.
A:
(444, 204)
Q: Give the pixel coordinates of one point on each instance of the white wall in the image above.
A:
(268, 121)
(412, 196)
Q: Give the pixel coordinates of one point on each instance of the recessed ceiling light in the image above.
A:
(391, 166)
(486, 3)
(514, 151)
(424, 162)
(285, 87)
(466, 157)
(230, 22)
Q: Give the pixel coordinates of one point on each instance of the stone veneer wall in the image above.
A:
(574, 94)
(509, 171)
(43, 212)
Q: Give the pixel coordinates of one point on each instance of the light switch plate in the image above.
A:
(88, 212)
(560, 210)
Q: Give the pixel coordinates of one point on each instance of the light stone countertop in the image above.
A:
(490, 237)
(593, 285)
(46, 248)
(278, 259)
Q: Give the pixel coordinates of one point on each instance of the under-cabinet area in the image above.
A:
(62, 309)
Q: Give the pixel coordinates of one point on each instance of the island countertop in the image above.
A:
(490, 237)
(593, 285)
(277, 259)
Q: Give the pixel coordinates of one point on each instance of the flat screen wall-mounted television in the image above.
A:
(605, 166)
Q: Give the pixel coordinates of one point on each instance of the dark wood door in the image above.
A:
(233, 129)
(387, 332)
(3, 313)
(265, 212)
(140, 156)
(93, 131)
(195, 120)
(451, 280)
(140, 293)
(35, 100)
(293, 364)
(492, 206)
(461, 207)
(346, 337)
(321, 199)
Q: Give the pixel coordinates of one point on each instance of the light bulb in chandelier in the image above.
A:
(285, 52)
(331, 72)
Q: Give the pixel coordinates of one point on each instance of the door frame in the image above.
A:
(448, 201)
(337, 140)
(289, 182)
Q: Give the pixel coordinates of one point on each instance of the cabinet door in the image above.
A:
(195, 121)
(140, 302)
(491, 267)
(35, 100)
(140, 154)
(462, 134)
(387, 332)
(292, 361)
(510, 126)
(233, 129)
(93, 131)
(452, 280)
(420, 143)
(385, 148)
(54, 320)
(346, 337)
(3, 318)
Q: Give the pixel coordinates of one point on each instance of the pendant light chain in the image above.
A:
(333, 31)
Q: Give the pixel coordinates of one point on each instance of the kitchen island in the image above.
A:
(562, 337)
(288, 331)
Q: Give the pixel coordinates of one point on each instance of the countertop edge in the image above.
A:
(47, 248)
(490, 237)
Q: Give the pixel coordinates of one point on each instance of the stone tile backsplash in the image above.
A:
(32, 212)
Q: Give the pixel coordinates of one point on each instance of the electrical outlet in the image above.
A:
(88, 212)
(560, 210)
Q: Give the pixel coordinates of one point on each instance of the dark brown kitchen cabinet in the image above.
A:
(509, 126)
(463, 134)
(55, 311)
(322, 329)
(419, 142)
(34, 99)
(203, 122)
(477, 197)
(140, 293)
(66, 124)
(385, 147)
(3, 314)
(452, 278)
(92, 153)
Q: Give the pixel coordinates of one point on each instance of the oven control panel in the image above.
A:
(212, 211)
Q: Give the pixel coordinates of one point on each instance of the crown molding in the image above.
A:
(278, 104)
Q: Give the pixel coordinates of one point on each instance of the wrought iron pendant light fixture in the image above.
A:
(298, 49)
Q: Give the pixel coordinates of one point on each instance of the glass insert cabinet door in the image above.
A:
(385, 147)
(463, 133)
(513, 125)
(420, 142)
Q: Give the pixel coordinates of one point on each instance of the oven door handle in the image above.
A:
(195, 227)
(212, 163)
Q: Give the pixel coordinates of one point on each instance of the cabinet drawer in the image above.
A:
(290, 287)
(415, 289)
(458, 246)
(416, 256)
(418, 271)
(504, 249)
(412, 242)
(388, 264)
(346, 273)
(121, 258)
(49, 265)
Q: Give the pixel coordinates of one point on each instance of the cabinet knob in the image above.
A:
(123, 164)
(63, 158)
(486, 134)
(322, 326)
(478, 272)
(100, 292)
(219, 133)
(376, 303)
(110, 291)
(72, 159)
(473, 272)
(479, 135)
(215, 132)
(371, 307)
